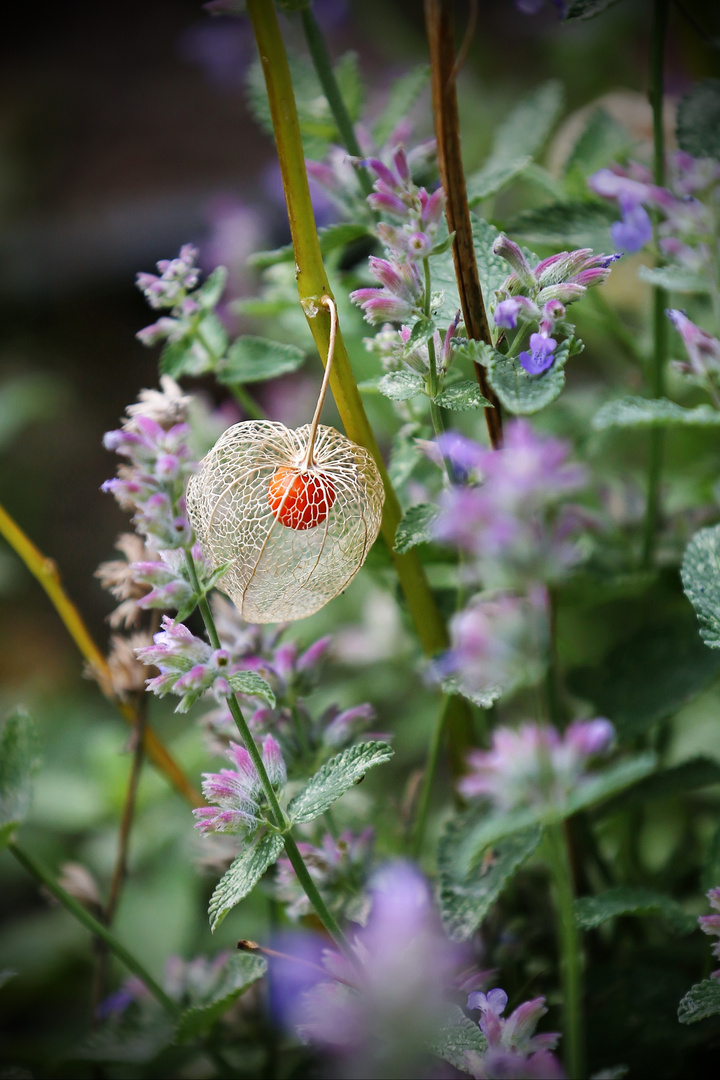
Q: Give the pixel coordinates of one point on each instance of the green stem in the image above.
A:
(570, 950)
(326, 917)
(433, 757)
(660, 298)
(247, 402)
(96, 928)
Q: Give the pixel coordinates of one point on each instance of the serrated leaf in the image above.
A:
(464, 902)
(462, 396)
(254, 359)
(458, 1036)
(675, 279)
(593, 911)
(493, 177)
(422, 330)
(586, 9)
(19, 761)
(648, 678)
(212, 336)
(135, 1039)
(564, 225)
(183, 358)
(336, 777)
(601, 140)
(484, 698)
(697, 773)
(700, 573)
(638, 412)
(401, 385)
(239, 973)
(209, 293)
(702, 1000)
(524, 131)
(404, 93)
(249, 682)
(521, 393)
(415, 527)
(698, 120)
(242, 877)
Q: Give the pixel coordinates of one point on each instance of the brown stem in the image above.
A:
(439, 26)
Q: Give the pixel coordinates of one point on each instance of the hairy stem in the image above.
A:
(46, 572)
(569, 947)
(96, 928)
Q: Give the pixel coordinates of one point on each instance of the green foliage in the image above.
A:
(249, 682)
(702, 1000)
(637, 412)
(242, 877)
(484, 698)
(336, 777)
(492, 270)
(403, 95)
(239, 973)
(586, 9)
(331, 237)
(593, 911)
(494, 176)
(648, 678)
(209, 293)
(255, 359)
(701, 581)
(521, 393)
(675, 279)
(565, 225)
(135, 1038)
(462, 396)
(401, 385)
(601, 140)
(415, 527)
(457, 1036)
(698, 120)
(464, 902)
(711, 866)
(198, 351)
(679, 780)
(19, 761)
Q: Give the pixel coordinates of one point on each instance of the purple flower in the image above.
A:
(703, 349)
(710, 924)
(533, 765)
(540, 356)
(635, 229)
(400, 297)
(177, 277)
(238, 793)
(513, 1051)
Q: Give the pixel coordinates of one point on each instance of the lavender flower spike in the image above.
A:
(703, 349)
(513, 1050)
(710, 924)
(238, 793)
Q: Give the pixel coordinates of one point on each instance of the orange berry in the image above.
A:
(300, 500)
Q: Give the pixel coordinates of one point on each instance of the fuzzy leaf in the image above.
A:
(592, 911)
(675, 279)
(457, 1036)
(564, 225)
(255, 359)
(403, 95)
(521, 393)
(244, 874)
(423, 329)
(493, 177)
(19, 761)
(248, 682)
(462, 396)
(484, 698)
(602, 140)
(586, 9)
(336, 777)
(415, 527)
(702, 1000)
(699, 772)
(701, 580)
(638, 412)
(698, 120)
(464, 902)
(401, 385)
(240, 972)
(183, 357)
(524, 131)
(209, 293)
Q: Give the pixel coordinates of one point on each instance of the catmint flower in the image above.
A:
(710, 924)
(513, 1052)
(634, 230)
(166, 578)
(339, 867)
(703, 350)
(118, 578)
(177, 277)
(535, 766)
(400, 297)
(541, 354)
(238, 793)
(507, 312)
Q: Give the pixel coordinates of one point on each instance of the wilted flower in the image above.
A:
(238, 793)
(117, 577)
(710, 924)
(339, 868)
(534, 765)
(513, 1051)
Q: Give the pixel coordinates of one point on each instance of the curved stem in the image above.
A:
(83, 916)
(46, 572)
(570, 950)
(330, 305)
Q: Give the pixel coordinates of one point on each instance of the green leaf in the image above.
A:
(422, 330)
(443, 245)
(564, 225)
(135, 1039)
(401, 385)
(649, 677)
(458, 1036)
(242, 877)
(239, 973)
(209, 293)
(248, 682)
(183, 357)
(464, 902)
(403, 95)
(702, 1000)
(330, 237)
(484, 698)
(462, 396)
(255, 359)
(415, 527)
(586, 9)
(521, 393)
(523, 133)
(698, 120)
(711, 863)
(700, 573)
(212, 338)
(602, 140)
(19, 761)
(697, 773)
(593, 911)
(493, 176)
(350, 84)
(336, 777)
(675, 279)
(638, 412)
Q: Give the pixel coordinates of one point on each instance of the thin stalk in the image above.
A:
(660, 297)
(281, 822)
(330, 305)
(433, 757)
(570, 950)
(556, 710)
(91, 923)
(45, 570)
(247, 402)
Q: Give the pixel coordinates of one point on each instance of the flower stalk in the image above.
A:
(569, 947)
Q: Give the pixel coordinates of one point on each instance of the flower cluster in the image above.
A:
(703, 352)
(710, 924)
(533, 765)
(512, 1048)
(238, 793)
(538, 298)
(339, 867)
